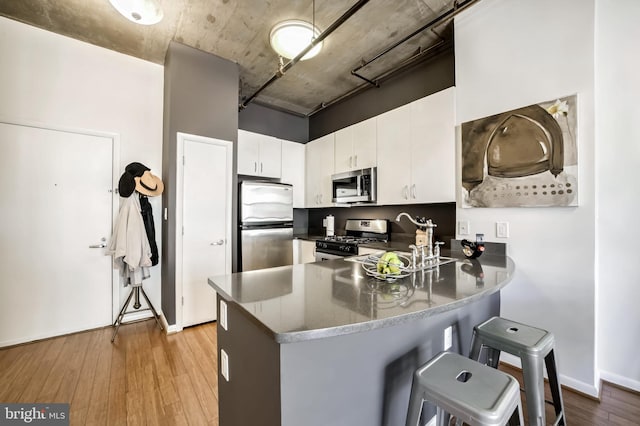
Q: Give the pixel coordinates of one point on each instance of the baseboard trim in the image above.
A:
(136, 316)
(18, 342)
(620, 381)
(169, 329)
(568, 382)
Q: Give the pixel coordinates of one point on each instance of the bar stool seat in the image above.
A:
(534, 347)
(466, 389)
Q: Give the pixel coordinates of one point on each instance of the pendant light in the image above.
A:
(288, 38)
(143, 12)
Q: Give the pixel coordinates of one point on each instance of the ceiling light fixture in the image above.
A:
(143, 12)
(289, 38)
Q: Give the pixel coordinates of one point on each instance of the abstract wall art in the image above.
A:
(526, 157)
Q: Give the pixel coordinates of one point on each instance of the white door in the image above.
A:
(206, 242)
(55, 202)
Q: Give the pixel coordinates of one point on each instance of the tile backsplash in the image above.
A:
(442, 214)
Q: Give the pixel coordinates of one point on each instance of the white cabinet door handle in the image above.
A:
(405, 192)
(355, 160)
(260, 167)
(255, 166)
(218, 243)
(413, 191)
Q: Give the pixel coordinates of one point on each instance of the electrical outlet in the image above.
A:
(448, 338)
(502, 229)
(224, 364)
(463, 227)
(223, 314)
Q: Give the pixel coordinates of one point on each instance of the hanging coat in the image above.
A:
(147, 218)
(129, 244)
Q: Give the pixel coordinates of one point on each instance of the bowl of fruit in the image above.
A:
(388, 266)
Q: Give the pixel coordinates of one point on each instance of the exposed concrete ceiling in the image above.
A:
(239, 31)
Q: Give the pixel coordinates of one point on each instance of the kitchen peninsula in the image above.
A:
(324, 344)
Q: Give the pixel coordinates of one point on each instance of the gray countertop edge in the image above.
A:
(305, 335)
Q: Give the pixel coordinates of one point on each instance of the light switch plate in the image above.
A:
(463, 227)
(448, 338)
(224, 367)
(502, 229)
(223, 314)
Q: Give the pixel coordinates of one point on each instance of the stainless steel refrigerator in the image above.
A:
(266, 225)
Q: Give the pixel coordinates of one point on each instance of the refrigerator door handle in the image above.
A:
(268, 218)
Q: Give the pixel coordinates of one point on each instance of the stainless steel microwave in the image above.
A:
(356, 186)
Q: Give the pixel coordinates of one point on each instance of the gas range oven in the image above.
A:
(357, 231)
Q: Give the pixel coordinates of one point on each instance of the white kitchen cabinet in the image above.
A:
(433, 135)
(304, 251)
(355, 146)
(394, 156)
(319, 168)
(259, 155)
(293, 167)
(416, 151)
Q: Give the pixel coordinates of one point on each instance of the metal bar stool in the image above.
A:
(472, 392)
(534, 346)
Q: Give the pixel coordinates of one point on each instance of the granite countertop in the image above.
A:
(331, 298)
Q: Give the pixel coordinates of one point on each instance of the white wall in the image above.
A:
(55, 80)
(513, 53)
(618, 201)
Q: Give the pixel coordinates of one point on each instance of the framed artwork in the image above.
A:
(526, 157)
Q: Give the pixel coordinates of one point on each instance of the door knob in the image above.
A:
(218, 243)
(103, 243)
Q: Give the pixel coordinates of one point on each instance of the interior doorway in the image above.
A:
(203, 223)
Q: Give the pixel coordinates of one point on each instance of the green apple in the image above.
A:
(389, 263)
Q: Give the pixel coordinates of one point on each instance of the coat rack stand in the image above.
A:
(135, 291)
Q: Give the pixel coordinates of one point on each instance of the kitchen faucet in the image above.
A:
(429, 225)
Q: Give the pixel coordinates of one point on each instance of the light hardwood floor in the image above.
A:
(147, 377)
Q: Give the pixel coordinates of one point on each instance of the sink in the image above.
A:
(406, 257)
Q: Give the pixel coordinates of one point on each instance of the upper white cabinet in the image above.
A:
(416, 151)
(394, 154)
(319, 168)
(259, 155)
(355, 146)
(293, 170)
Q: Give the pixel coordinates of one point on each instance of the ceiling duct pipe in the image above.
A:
(381, 78)
(450, 14)
(446, 16)
(283, 69)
